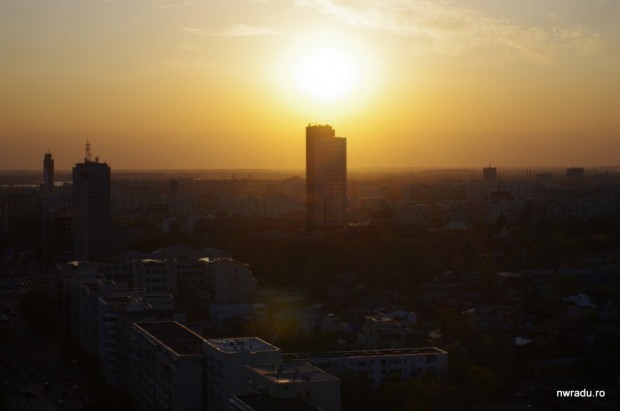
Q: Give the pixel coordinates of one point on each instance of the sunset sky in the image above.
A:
(233, 83)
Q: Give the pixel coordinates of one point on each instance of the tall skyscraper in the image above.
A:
(48, 172)
(92, 215)
(326, 177)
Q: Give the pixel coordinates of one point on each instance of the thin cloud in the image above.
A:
(237, 30)
(169, 4)
(445, 27)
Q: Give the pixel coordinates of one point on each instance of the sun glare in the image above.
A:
(327, 74)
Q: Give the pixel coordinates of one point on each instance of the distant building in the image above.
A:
(326, 178)
(382, 331)
(48, 172)
(489, 174)
(575, 174)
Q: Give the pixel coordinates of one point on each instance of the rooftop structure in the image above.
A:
(174, 337)
(287, 373)
(303, 381)
(240, 345)
(366, 353)
(260, 402)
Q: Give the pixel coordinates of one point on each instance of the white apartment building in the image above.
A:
(377, 365)
(227, 359)
(116, 312)
(292, 380)
(166, 367)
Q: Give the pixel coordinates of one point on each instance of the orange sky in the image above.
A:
(221, 84)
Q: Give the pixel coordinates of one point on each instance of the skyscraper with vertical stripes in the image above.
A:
(326, 178)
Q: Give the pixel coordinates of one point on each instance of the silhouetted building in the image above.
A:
(48, 172)
(326, 177)
(575, 173)
(489, 174)
(92, 208)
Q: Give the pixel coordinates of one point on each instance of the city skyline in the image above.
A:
(207, 85)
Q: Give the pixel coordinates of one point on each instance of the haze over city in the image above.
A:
(213, 84)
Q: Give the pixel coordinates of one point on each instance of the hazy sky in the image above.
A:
(233, 83)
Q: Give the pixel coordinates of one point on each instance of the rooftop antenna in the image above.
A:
(88, 157)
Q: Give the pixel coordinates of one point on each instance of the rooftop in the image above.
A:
(267, 403)
(365, 353)
(120, 299)
(173, 336)
(244, 344)
(292, 372)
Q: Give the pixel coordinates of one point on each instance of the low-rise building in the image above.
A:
(294, 380)
(226, 366)
(377, 365)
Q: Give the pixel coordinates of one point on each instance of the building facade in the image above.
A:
(166, 367)
(378, 365)
(48, 172)
(92, 213)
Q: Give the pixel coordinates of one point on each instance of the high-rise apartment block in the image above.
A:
(326, 177)
(92, 214)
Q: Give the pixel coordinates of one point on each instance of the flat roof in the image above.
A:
(152, 260)
(173, 336)
(292, 373)
(120, 299)
(365, 353)
(243, 344)
(260, 402)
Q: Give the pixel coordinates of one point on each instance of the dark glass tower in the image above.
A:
(48, 172)
(92, 213)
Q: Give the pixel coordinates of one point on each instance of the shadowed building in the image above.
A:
(48, 172)
(489, 174)
(574, 174)
(92, 215)
(326, 177)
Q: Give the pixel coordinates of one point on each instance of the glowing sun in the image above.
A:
(327, 74)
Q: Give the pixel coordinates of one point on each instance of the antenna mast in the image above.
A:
(88, 157)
